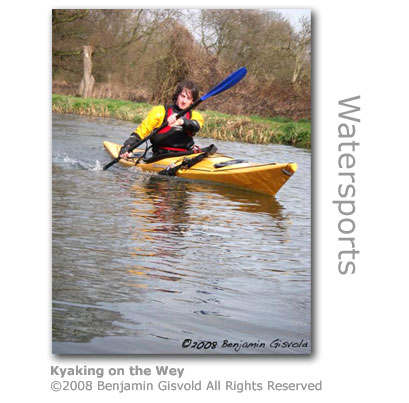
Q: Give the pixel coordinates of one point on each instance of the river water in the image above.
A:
(146, 264)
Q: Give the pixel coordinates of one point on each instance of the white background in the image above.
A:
(359, 321)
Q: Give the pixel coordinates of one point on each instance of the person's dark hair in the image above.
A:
(191, 86)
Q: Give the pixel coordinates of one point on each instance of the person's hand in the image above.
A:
(124, 152)
(172, 121)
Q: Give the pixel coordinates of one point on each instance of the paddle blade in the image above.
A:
(227, 83)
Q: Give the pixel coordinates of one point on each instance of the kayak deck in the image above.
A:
(261, 178)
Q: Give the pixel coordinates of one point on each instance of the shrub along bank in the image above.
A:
(249, 129)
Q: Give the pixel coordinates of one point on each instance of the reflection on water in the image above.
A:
(164, 203)
(167, 219)
(141, 261)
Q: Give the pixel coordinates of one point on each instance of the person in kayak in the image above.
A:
(178, 134)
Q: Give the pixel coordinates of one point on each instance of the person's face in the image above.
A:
(185, 99)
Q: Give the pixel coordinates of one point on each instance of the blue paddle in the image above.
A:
(224, 85)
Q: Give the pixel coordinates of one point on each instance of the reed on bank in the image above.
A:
(219, 126)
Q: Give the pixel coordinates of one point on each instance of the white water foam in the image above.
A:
(98, 166)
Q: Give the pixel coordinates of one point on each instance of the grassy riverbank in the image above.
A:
(249, 129)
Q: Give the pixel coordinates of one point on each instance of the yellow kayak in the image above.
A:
(261, 178)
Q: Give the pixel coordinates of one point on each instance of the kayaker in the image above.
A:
(178, 135)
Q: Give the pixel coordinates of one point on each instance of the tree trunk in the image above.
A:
(88, 81)
(297, 70)
(109, 95)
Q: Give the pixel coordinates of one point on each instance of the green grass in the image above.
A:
(112, 108)
(249, 129)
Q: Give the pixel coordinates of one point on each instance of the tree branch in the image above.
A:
(73, 17)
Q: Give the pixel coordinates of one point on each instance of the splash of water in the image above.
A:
(79, 164)
(98, 166)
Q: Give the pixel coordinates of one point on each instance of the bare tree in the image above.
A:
(302, 51)
(88, 80)
(113, 34)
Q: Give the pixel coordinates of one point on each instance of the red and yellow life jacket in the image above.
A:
(173, 138)
(168, 137)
